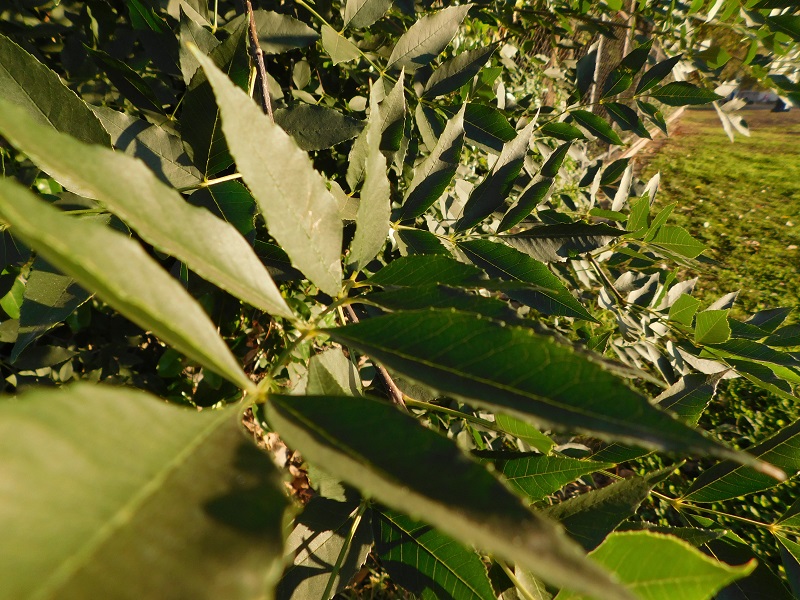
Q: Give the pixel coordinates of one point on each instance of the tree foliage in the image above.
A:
(402, 239)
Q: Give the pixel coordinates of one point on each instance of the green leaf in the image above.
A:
(617, 82)
(532, 196)
(49, 298)
(363, 13)
(209, 246)
(514, 370)
(683, 310)
(162, 152)
(319, 536)
(486, 127)
(768, 320)
(490, 194)
(429, 124)
(433, 176)
(562, 131)
(277, 33)
(785, 336)
(762, 584)
(418, 271)
(688, 397)
(640, 214)
(655, 115)
(614, 171)
(12, 300)
(316, 127)
(123, 275)
(500, 261)
(659, 220)
(790, 556)
(656, 74)
(392, 125)
(695, 536)
(332, 373)
(300, 212)
(181, 506)
(457, 71)
(751, 350)
(627, 119)
(791, 518)
(29, 84)
(677, 239)
(584, 72)
(437, 296)
(524, 431)
(231, 201)
(621, 78)
(145, 17)
(393, 115)
(200, 120)
(387, 454)
(130, 84)
(374, 210)
(194, 33)
(553, 163)
(636, 58)
(788, 24)
(727, 480)
(590, 517)
(661, 567)
(596, 126)
(557, 243)
(426, 38)
(682, 93)
(417, 241)
(712, 327)
(337, 46)
(538, 476)
(427, 562)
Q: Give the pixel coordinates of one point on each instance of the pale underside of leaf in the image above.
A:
(300, 212)
(208, 245)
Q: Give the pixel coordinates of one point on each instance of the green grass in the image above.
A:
(742, 199)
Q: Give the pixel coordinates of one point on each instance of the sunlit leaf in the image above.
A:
(661, 567)
(300, 212)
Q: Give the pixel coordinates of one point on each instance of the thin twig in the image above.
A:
(606, 280)
(258, 56)
(395, 394)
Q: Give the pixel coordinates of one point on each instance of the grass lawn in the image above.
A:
(742, 199)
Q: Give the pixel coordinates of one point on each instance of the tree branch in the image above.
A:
(395, 394)
(258, 56)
